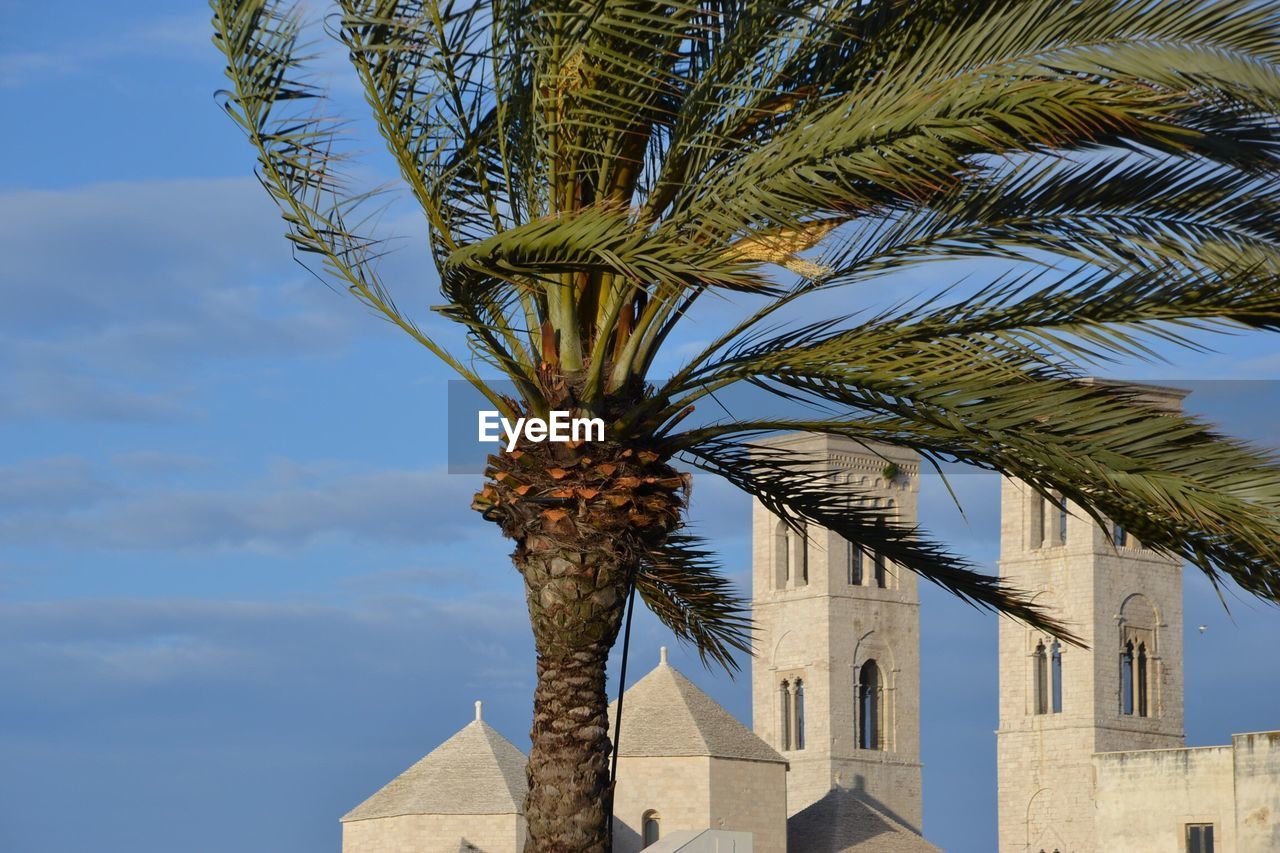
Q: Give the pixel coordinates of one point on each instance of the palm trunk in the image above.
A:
(575, 606)
(583, 519)
(570, 797)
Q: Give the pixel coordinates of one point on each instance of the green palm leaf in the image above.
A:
(590, 170)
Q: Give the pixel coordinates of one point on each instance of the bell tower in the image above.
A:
(1060, 704)
(835, 675)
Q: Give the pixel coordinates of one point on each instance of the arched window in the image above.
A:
(803, 556)
(1126, 679)
(781, 555)
(798, 704)
(650, 828)
(1139, 636)
(1142, 679)
(1035, 526)
(877, 561)
(1054, 515)
(784, 701)
(870, 710)
(1055, 676)
(1119, 535)
(1041, 674)
(787, 547)
(854, 552)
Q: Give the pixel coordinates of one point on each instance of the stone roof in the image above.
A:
(665, 714)
(477, 771)
(844, 822)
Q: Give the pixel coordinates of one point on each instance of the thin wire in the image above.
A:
(622, 688)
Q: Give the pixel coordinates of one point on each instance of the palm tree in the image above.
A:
(591, 169)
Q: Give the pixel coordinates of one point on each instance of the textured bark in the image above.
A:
(582, 519)
(570, 797)
(569, 800)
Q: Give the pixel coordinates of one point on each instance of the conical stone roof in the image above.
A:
(477, 771)
(665, 714)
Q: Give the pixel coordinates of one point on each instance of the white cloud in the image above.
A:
(116, 294)
(143, 258)
(69, 394)
(54, 483)
(92, 646)
(405, 578)
(158, 462)
(174, 38)
(295, 505)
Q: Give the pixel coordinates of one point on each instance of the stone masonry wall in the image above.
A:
(1256, 759)
(677, 788)
(751, 796)
(1146, 799)
(434, 834)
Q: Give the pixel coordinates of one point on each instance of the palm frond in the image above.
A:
(598, 240)
(800, 489)
(1173, 481)
(1108, 213)
(269, 99)
(985, 81)
(681, 582)
(590, 169)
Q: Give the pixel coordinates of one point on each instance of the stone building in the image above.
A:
(1090, 741)
(1153, 800)
(685, 763)
(466, 795)
(831, 764)
(1090, 755)
(835, 676)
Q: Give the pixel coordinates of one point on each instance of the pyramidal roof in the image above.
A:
(477, 771)
(665, 714)
(844, 822)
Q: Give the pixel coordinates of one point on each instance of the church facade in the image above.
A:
(1090, 744)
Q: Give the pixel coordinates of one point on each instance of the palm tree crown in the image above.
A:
(591, 169)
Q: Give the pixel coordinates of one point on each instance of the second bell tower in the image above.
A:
(1059, 704)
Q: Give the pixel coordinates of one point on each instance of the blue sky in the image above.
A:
(238, 590)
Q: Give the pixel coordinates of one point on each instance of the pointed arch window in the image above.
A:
(1048, 520)
(802, 559)
(878, 569)
(1046, 677)
(855, 556)
(1041, 674)
(1035, 526)
(781, 555)
(791, 714)
(1055, 677)
(798, 706)
(1126, 679)
(784, 723)
(1139, 672)
(1140, 685)
(870, 707)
